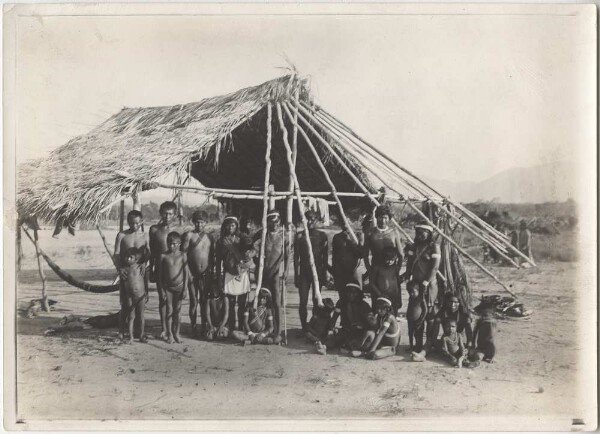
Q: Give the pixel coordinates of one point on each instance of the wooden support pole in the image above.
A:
(311, 257)
(121, 215)
(112, 258)
(290, 203)
(19, 248)
(327, 177)
(137, 203)
(45, 305)
(261, 257)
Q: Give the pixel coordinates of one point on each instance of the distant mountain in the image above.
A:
(553, 182)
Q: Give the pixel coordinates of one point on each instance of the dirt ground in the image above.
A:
(90, 375)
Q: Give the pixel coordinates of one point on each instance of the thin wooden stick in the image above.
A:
(38, 254)
(311, 257)
(284, 286)
(261, 258)
(19, 248)
(121, 215)
(290, 204)
(112, 258)
(327, 177)
(383, 159)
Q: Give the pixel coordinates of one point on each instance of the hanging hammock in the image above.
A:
(67, 277)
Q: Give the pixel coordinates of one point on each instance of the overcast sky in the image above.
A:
(452, 97)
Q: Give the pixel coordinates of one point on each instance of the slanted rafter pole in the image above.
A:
(311, 257)
(349, 172)
(326, 174)
(383, 159)
(261, 257)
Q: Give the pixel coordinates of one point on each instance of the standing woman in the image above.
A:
(228, 255)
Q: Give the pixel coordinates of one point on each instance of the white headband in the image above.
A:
(230, 217)
(355, 285)
(385, 300)
(273, 213)
(426, 227)
(264, 289)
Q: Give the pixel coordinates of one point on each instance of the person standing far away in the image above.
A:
(303, 276)
(277, 252)
(514, 241)
(422, 262)
(346, 259)
(525, 240)
(380, 237)
(158, 245)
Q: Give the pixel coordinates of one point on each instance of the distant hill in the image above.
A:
(553, 182)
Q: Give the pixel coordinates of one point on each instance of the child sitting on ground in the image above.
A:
(258, 323)
(353, 310)
(383, 343)
(453, 348)
(483, 335)
(320, 324)
(135, 284)
(173, 277)
(217, 314)
(384, 279)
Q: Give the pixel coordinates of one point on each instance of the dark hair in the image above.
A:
(167, 205)
(173, 236)
(383, 210)
(224, 231)
(132, 251)
(199, 215)
(310, 214)
(449, 322)
(267, 296)
(134, 213)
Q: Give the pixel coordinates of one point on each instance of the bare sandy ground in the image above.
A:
(89, 375)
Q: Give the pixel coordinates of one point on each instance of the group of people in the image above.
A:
(219, 274)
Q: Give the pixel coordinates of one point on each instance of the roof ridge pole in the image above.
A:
(350, 173)
(261, 257)
(311, 257)
(347, 128)
(492, 232)
(327, 177)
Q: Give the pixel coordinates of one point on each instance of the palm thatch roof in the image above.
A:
(219, 141)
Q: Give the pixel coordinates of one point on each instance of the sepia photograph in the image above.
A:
(285, 217)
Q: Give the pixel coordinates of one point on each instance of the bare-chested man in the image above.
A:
(199, 246)
(133, 237)
(302, 269)
(380, 237)
(158, 246)
(346, 259)
(277, 251)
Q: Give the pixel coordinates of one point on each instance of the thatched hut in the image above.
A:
(261, 144)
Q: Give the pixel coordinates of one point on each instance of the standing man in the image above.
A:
(380, 237)
(422, 263)
(346, 259)
(277, 251)
(158, 245)
(303, 276)
(525, 240)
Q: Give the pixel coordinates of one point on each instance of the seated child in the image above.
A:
(135, 282)
(173, 276)
(320, 324)
(258, 323)
(415, 316)
(483, 335)
(353, 310)
(384, 279)
(453, 347)
(217, 314)
(452, 310)
(382, 343)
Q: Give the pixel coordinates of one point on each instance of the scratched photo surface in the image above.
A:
(476, 127)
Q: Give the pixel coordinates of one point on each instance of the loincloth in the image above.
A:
(177, 289)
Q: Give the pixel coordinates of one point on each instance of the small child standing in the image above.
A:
(320, 324)
(385, 279)
(258, 323)
(383, 343)
(173, 276)
(135, 283)
(415, 316)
